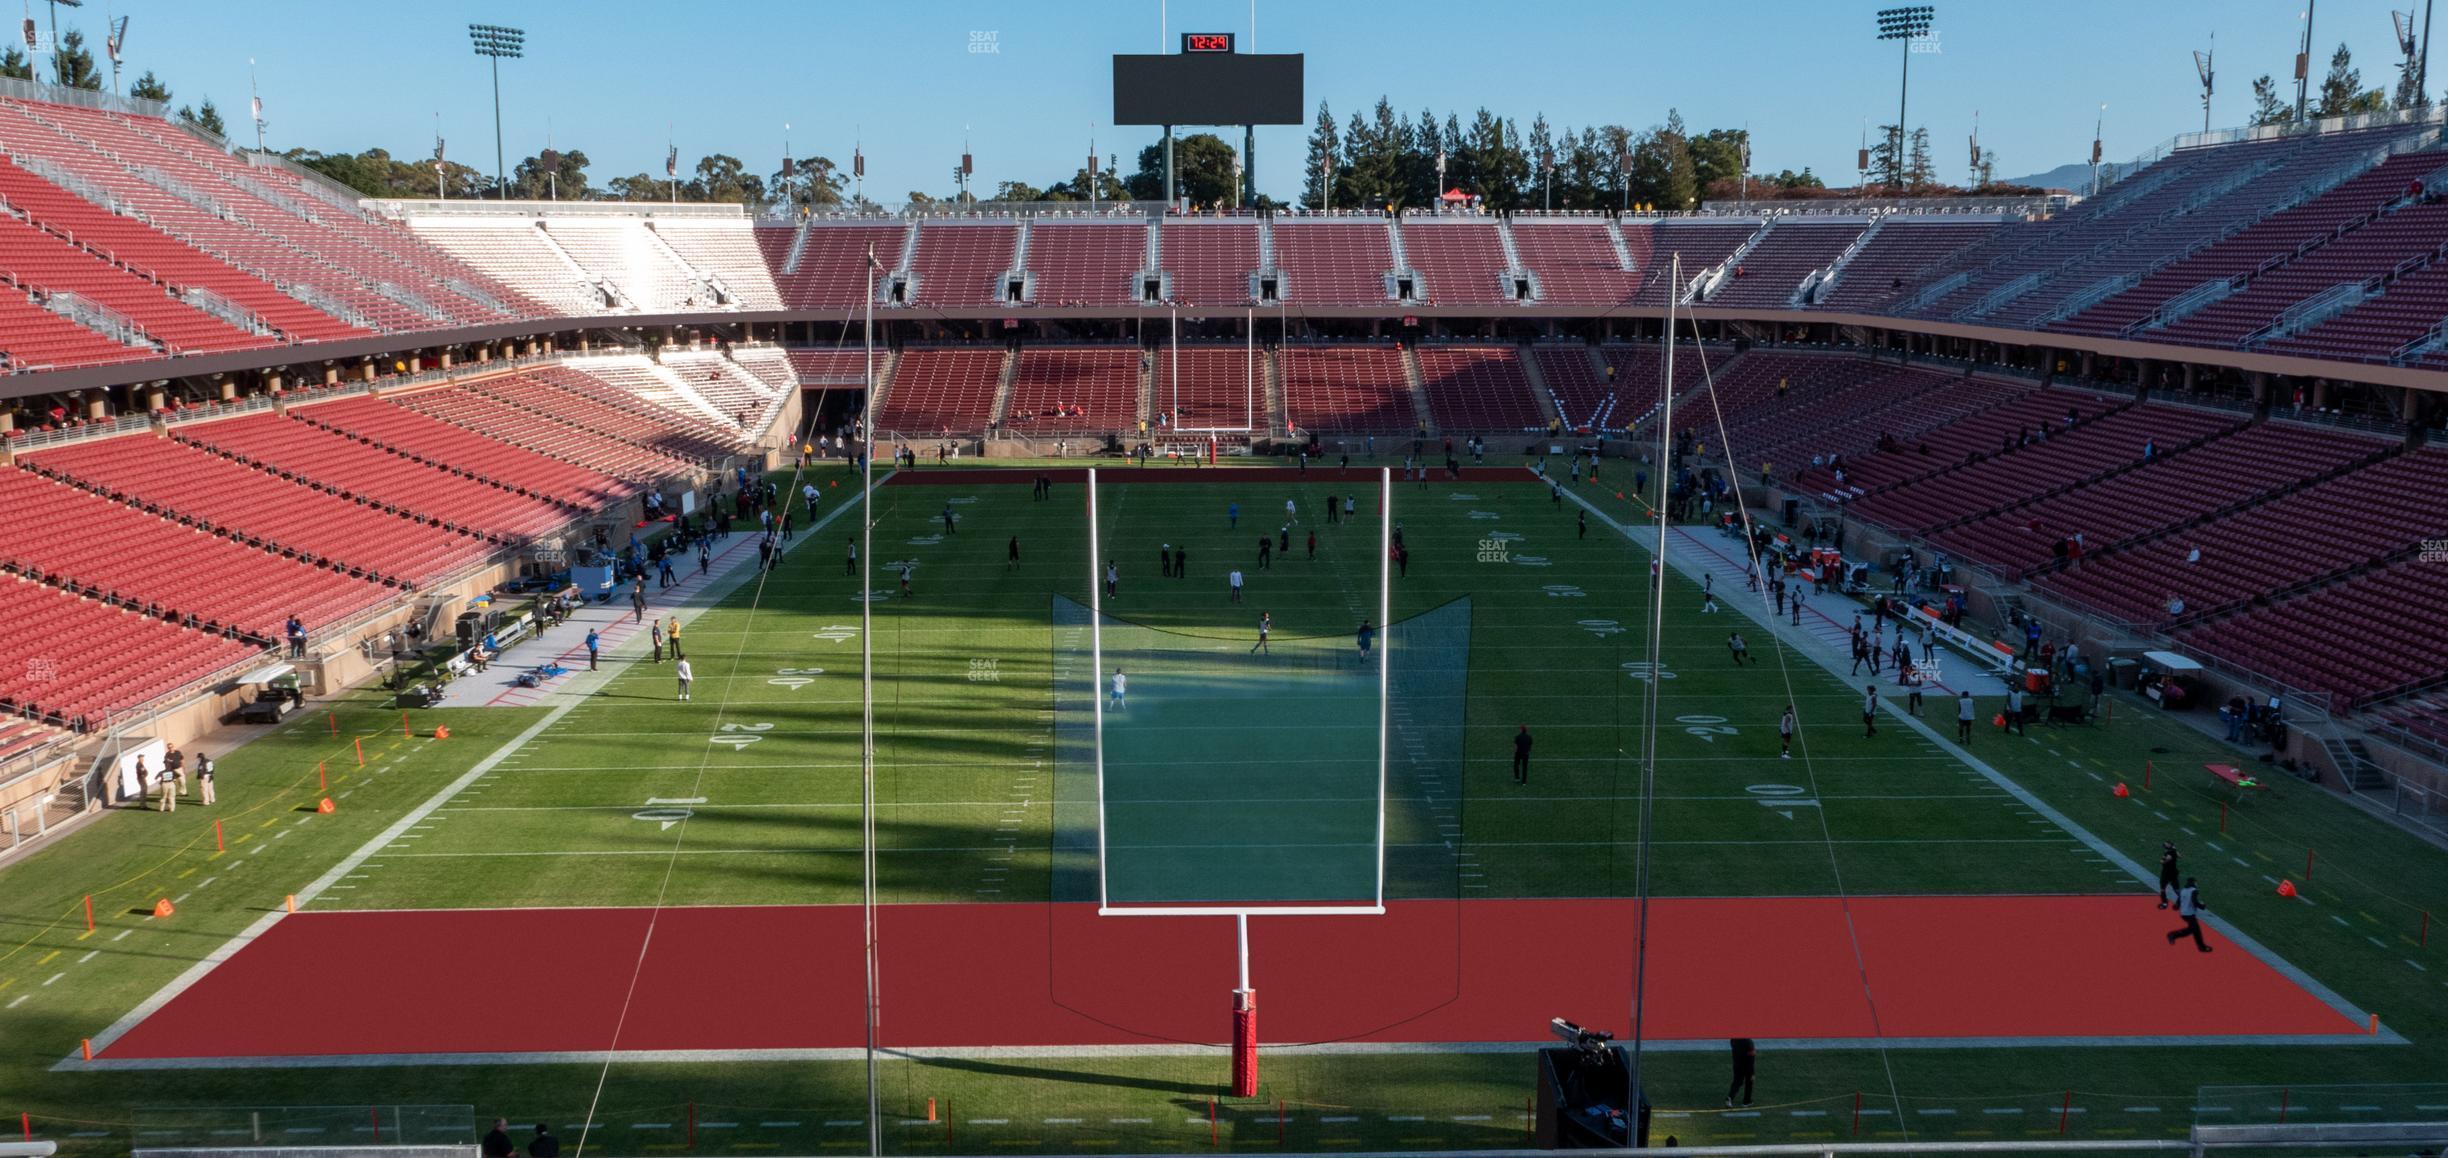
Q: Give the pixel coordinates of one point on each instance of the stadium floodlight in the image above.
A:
(496, 42)
(2412, 39)
(2205, 65)
(1907, 25)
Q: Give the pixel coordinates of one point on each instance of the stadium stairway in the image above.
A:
(1418, 385)
(1538, 387)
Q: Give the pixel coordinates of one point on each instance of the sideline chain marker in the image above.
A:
(326, 807)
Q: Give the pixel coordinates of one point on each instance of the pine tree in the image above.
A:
(1886, 159)
(73, 63)
(1919, 171)
(14, 65)
(207, 118)
(149, 88)
(1325, 145)
(2342, 93)
(1542, 159)
(2267, 108)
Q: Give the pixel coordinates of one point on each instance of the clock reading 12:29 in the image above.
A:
(1207, 42)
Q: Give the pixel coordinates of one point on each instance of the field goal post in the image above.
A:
(1245, 994)
(1169, 401)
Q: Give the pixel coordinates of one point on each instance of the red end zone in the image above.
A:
(963, 976)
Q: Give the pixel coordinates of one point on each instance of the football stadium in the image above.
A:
(1653, 639)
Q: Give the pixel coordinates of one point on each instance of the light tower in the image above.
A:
(2205, 64)
(1907, 25)
(496, 43)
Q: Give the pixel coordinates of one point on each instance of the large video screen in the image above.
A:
(1209, 89)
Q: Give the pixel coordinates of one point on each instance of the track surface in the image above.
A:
(510, 981)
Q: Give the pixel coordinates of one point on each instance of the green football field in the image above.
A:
(1247, 777)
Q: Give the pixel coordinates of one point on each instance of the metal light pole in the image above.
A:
(496, 42)
(2422, 69)
(2205, 64)
(59, 56)
(1907, 25)
(2303, 64)
(113, 41)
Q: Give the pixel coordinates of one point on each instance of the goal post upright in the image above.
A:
(1096, 676)
(1385, 654)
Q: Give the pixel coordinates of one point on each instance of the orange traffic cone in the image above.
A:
(2286, 888)
(441, 732)
(2121, 791)
(161, 908)
(327, 807)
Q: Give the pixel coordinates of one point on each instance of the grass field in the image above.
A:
(765, 765)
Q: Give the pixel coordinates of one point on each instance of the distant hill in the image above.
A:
(2075, 177)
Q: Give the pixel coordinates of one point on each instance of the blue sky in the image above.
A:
(607, 75)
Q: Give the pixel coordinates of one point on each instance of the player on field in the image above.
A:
(1266, 623)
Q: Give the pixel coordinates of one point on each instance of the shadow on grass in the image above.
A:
(1047, 1072)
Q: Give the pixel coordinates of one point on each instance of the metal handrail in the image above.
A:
(401, 208)
(28, 90)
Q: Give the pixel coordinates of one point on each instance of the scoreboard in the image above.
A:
(1209, 83)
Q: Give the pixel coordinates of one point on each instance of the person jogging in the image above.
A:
(1785, 734)
(2189, 906)
(1266, 623)
(2168, 888)
(1521, 752)
(1735, 644)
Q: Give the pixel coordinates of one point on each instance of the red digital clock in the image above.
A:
(1207, 42)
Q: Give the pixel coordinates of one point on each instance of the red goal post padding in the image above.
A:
(1245, 1043)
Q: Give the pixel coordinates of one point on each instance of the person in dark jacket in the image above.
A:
(1521, 755)
(1746, 1066)
(545, 1144)
(496, 1143)
(2168, 888)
